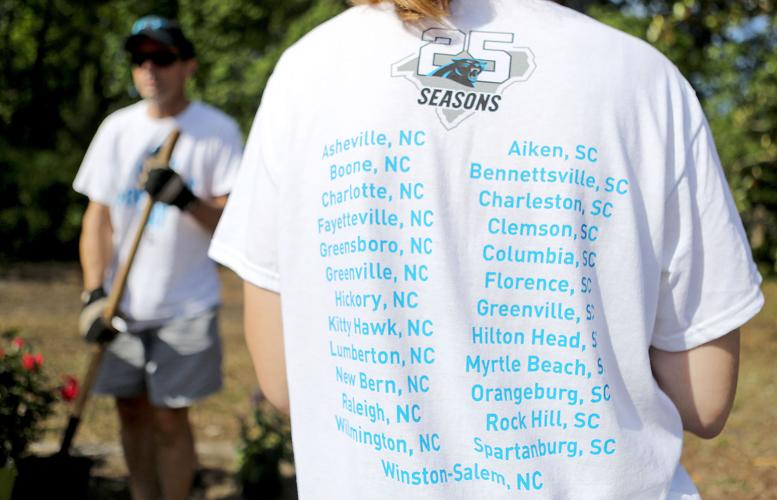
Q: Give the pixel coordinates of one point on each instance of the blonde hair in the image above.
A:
(413, 10)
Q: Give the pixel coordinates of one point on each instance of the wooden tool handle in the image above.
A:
(120, 282)
(161, 159)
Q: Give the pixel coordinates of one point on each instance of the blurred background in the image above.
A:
(63, 69)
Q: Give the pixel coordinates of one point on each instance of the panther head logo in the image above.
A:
(464, 71)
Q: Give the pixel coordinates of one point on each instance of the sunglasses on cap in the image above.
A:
(152, 23)
(161, 59)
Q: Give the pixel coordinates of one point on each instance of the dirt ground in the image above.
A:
(41, 303)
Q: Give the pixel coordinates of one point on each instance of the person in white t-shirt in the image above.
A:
(494, 246)
(170, 355)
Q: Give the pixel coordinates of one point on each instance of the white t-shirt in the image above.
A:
(478, 229)
(172, 275)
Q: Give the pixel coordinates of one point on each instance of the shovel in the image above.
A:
(62, 475)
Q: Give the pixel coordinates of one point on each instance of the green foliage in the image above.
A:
(55, 86)
(63, 69)
(728, 51)
(239, 42)
(263, 444)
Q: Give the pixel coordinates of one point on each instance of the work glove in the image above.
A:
(91, 323)
(165, 185)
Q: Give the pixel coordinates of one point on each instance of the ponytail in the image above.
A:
(413, 10)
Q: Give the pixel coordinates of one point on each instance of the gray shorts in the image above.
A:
(175, 364)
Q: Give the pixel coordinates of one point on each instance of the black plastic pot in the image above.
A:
(59, 476)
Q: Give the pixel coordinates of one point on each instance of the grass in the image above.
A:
(41, 302)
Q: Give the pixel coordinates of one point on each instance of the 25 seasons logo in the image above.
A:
(460, 74)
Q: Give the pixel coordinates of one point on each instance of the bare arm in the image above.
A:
(701, 382)
(207, 212)
(95, 245)
(264, 337)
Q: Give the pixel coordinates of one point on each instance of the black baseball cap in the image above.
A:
(160, 30)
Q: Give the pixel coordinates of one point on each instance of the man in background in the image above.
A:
(170, 354)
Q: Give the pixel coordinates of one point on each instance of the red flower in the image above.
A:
(69, 391)
(32, 362)
(17, 343)
(2, 353)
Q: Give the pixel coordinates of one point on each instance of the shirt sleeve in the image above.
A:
(93, 178)
(246, 239)
(709, 283)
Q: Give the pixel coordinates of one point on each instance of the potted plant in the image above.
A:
(265, 442)
(27, 398)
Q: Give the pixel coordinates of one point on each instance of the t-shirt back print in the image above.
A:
(533, 361)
